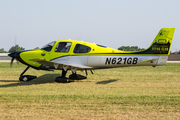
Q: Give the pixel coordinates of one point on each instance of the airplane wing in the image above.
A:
(63, 64)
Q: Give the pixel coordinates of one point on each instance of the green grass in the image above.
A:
(120, 93)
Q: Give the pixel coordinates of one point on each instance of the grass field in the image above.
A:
(120, 93)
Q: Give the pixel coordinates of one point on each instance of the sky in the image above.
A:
(113, 23)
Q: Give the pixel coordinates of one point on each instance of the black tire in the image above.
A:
(27, 78)
(77, 77)
(63, 80)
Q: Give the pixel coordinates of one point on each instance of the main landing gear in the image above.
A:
(60, 79)
(72, 77)
(63, 78)
(26, 77)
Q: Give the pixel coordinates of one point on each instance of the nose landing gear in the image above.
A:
(26, 77)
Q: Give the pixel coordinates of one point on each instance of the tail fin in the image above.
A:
(162, 42)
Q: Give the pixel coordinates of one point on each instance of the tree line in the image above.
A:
(14, 49)
(130, 48)
(136, 48)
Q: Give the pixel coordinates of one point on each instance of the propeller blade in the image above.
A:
(14, 55)
(12, 62)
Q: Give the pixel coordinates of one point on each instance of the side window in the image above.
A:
(81, 49)
(63, 47)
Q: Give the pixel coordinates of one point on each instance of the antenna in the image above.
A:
(15, 44)
(85, 36)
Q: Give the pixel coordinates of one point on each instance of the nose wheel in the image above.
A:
(26, 77)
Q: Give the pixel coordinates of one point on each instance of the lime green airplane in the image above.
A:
(78, 55)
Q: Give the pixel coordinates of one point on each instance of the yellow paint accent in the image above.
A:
(145, 61)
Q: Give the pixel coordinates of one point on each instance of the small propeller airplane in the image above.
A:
(78, 55)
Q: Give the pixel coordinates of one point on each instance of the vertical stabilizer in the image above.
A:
(162, 43)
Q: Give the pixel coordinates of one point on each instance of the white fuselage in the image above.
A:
(108, 61)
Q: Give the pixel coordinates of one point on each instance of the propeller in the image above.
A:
(11, 62)
(13, 55)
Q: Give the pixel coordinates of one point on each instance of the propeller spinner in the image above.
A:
(14, 56)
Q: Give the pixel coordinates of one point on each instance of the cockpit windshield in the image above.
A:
(48, 46)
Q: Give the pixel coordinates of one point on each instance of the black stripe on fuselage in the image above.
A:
(156, 48)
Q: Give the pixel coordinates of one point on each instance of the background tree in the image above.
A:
(2, 50)
(176, 52)
(130, 48)
(37, 48)
(16, 48)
